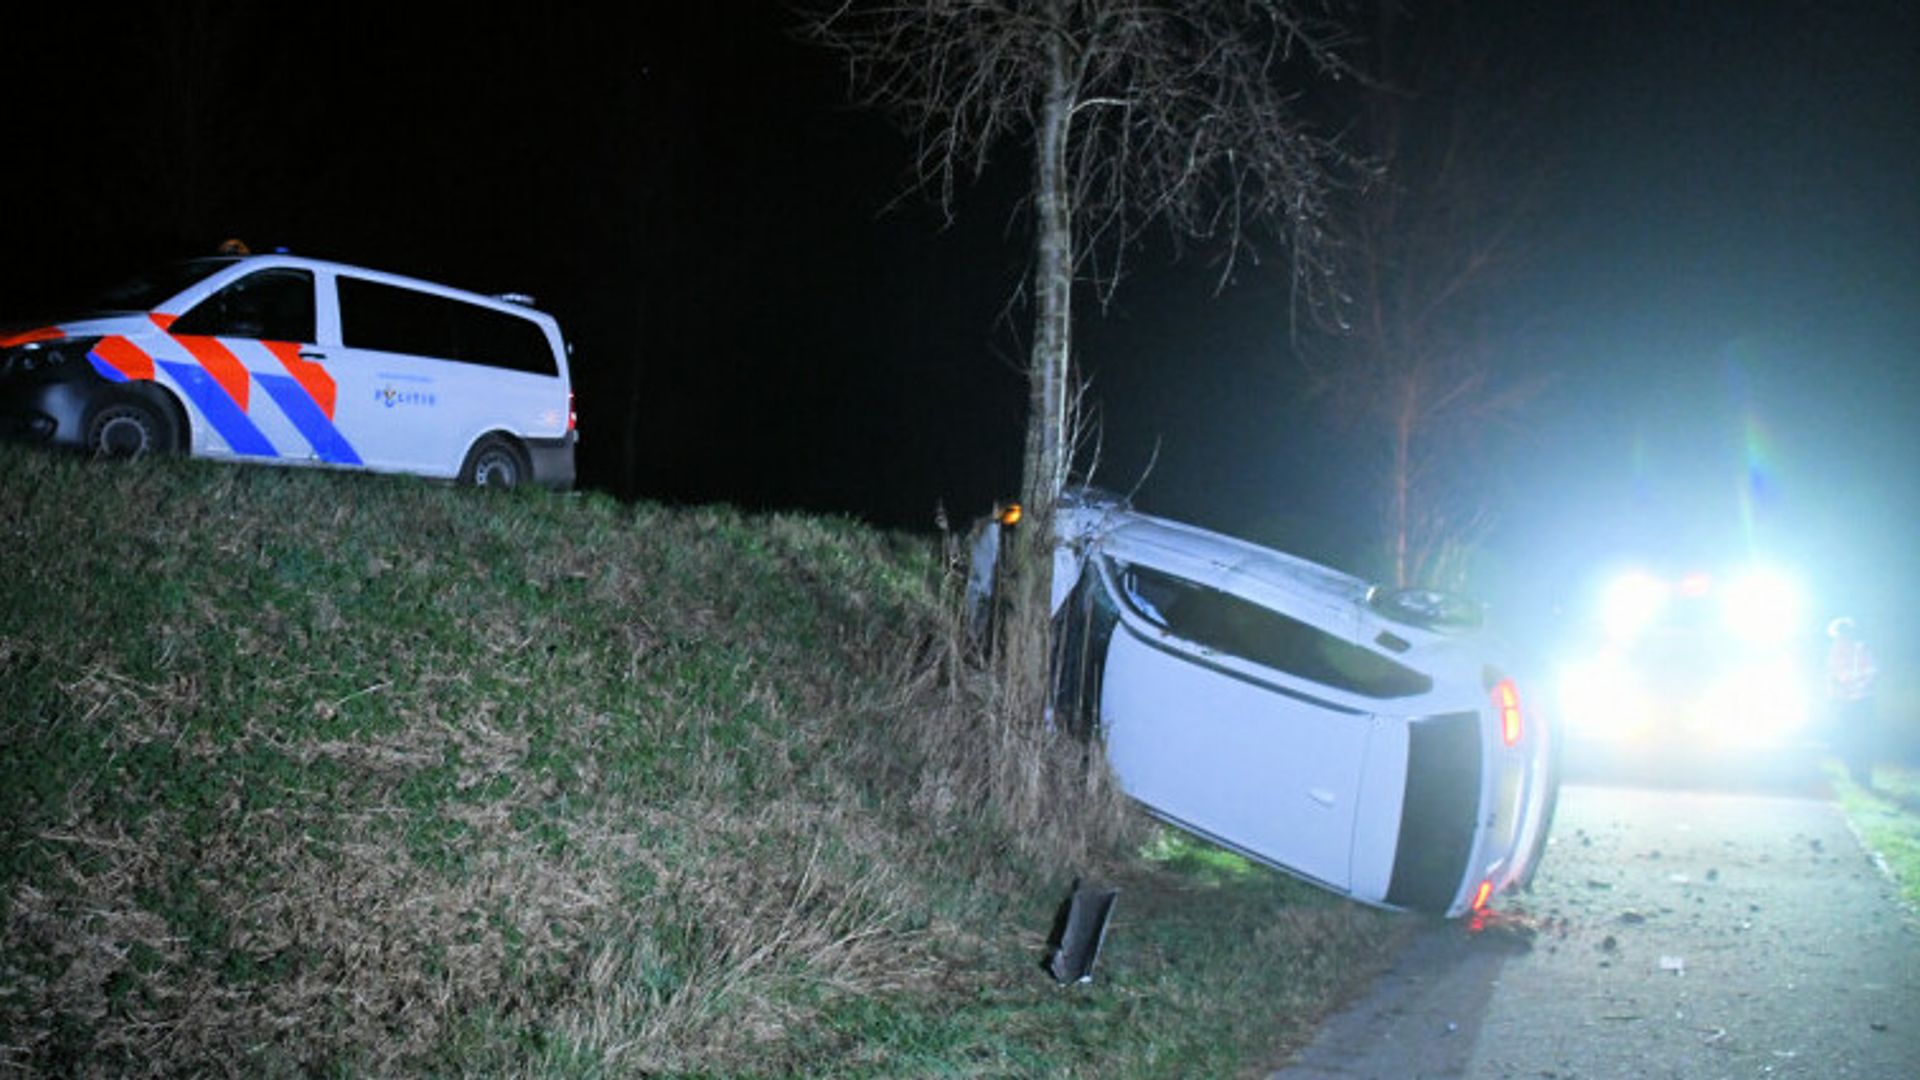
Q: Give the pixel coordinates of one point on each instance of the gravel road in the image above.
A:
(1669, 934)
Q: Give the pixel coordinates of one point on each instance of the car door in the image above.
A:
(1205, 728)
(248, 363)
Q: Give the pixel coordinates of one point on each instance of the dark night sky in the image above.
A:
(1724, 278)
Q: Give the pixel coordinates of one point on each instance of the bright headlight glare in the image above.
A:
(1759, 703)
(1601, 696)
(1763, 606)
(1631, 604)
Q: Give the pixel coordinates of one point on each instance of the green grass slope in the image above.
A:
(1887, 818)
(317, 773)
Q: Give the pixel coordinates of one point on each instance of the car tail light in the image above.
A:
(1482, 894)
(1506, 701)
(573, 418)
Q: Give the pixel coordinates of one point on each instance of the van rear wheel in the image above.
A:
(495, 462)
(129, 428)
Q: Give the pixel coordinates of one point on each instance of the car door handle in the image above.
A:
(306, 355)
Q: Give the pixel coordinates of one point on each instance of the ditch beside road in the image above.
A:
(1669, 934)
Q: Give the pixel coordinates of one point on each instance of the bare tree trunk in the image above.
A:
(1046, 463)
(1139, 113)
(1048, 447)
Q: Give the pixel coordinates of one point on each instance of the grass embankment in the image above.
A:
(1888, 819)
(347, 774)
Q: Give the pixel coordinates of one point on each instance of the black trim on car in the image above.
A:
(552, 461)
(1264, 684)
(1082, 632)
(1438, 820)
(1219, 620)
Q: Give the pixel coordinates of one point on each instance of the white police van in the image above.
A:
(287, 360)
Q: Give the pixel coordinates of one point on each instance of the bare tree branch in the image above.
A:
(1182, 114)
(1420, 374)
(1135, 113)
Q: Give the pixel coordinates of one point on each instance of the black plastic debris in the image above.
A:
(1079, 929)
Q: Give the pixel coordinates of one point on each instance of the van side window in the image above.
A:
(268, 305)
(1224, 623)
(497, 339)
(388, 318)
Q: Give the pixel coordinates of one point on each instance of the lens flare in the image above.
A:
(1764, 606)
(1631, 604)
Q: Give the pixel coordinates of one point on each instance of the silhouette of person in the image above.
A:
(1851, 672)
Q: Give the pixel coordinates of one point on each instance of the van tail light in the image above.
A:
(1506, 702)
(1482, 894)
(573, 418)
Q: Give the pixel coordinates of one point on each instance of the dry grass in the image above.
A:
(377, 958)
(972, 751)
(346, 775)
(387, 961)
(337, 774)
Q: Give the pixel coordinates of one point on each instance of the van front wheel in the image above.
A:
(495, 462)
(129, 428)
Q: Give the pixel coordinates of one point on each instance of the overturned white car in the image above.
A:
(1359, 738)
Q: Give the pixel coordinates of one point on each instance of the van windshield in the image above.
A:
(156, 287)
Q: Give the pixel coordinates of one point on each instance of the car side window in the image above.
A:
(389, 318)
(1225, 623)
(268, 305)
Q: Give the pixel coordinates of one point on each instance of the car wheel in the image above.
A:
(495, 462)
(128, 428)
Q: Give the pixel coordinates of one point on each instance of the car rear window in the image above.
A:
(390, 318)
(1225, 623)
